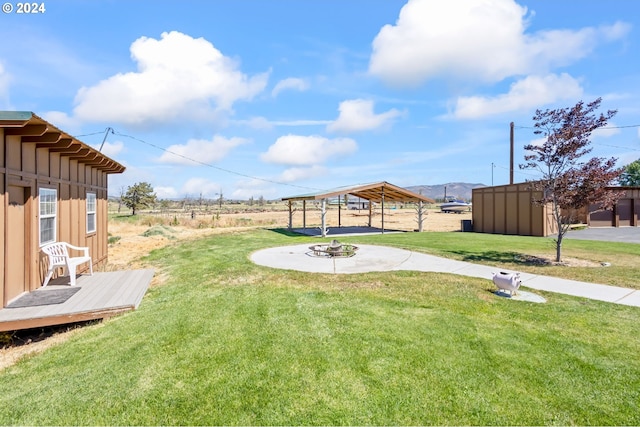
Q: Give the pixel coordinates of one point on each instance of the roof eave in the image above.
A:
(33, 129)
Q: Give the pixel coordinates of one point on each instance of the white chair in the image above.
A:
(58, 254)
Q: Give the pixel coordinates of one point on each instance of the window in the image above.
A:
(48, 212)
(91, 212)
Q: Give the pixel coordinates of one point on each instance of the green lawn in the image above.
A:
(507, 251)
(223, 341)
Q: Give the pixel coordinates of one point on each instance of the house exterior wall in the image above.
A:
(507, 209)
(25, 168)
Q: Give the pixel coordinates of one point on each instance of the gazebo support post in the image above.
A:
(290, 214)
(323, 213)
(304, 214)
(382, 200)
(370, 212)
(420, 218)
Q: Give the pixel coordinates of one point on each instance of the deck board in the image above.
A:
(101, 295)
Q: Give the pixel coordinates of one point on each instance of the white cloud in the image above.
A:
(111, 149)
(301, 150)
(4, 86)
(246, 188)
(263, 123)
(256, 193)
(260, 123)
(357, 115)
(607, 132)
(290, 83)
(201, 186)
(166, 192)
(530, 92)
(300, 173)
(538, 142)
(201, 150)
(484, 40)
(63, 121)
(119, 182)
(178, 77)
(303, 122)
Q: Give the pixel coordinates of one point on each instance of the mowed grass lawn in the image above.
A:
(225, 342)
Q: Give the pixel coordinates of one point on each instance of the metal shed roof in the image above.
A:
(33, 129)
(374, 192)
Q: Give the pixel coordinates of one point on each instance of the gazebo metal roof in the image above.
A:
(374, 192)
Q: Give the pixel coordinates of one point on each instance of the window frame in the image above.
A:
(47, 214)
(93, 212)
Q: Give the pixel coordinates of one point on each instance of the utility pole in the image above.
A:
(511, 155)
(106, 132)
(492, 166)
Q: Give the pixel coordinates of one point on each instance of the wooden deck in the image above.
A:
(101, 295)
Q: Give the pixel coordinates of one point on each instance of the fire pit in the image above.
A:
(334, 249)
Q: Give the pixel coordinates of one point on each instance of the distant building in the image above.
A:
(357, 204)
(353, 203)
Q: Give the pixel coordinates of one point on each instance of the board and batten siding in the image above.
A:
(508, 209)
(626, 213)
(35, 154)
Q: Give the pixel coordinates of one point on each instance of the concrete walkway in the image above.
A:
(371, 258)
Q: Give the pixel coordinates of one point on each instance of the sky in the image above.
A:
(277, 98)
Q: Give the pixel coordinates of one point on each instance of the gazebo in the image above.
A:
(379, 192)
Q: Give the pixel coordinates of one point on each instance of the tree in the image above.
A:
(568, 183)
(220, 200)
(631, 175)
(138, 196)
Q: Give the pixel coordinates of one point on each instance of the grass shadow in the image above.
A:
(501, 257)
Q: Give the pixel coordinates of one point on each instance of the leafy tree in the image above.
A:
(631, 175)
(568, 183)
(138, 196)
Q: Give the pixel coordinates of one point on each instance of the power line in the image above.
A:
(617, 146)
(91, 134)
(602, 128)
(620, 127)
(519, 172)
(213, 166)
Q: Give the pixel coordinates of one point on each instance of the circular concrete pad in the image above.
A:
(300, 258)
(371, 258)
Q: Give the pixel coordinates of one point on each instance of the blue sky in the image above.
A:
(274, 98)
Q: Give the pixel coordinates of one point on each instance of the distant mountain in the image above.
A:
(459, 190)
